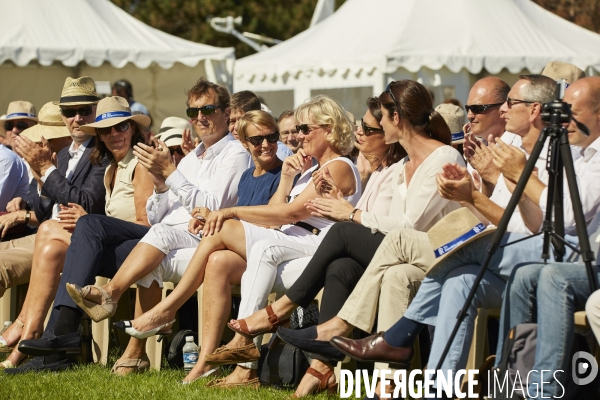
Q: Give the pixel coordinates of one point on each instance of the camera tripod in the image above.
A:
(555, 114)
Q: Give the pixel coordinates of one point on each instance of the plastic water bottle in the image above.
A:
(190, 354)
(6, 325)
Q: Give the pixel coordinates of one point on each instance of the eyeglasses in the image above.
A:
(306, 128)
(192, 112)
(177, 150)
(480, 108)
(120, 127)
(388, 90)
(369, 130)
(257, 140)
(9, 126)
(290, 132)
(71, 112)
(511, 102)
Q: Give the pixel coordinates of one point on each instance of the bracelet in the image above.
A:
(351, 216)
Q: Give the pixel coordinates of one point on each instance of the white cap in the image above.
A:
(189, 338)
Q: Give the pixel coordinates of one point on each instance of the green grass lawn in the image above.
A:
(91, 382)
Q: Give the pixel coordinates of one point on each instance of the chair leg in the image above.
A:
(6, 306)
(153, 346)
(100, 334)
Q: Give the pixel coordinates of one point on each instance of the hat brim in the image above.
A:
(436, 270)
(75, 103)
(14, 118)
(142, 120)
(36, 132)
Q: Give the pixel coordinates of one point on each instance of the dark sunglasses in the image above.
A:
(388, 89)
(8, 126)
(71, 112)
(257, 140)
(511, 102)
(305, 128)
(369, 130)
(192, 112)
(120, 127)
(480, 108)
(177, 150)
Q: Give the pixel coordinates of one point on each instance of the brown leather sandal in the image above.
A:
(275, 323)
(136, 365)
(323, 384)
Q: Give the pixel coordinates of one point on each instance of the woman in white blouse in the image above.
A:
(408, 118)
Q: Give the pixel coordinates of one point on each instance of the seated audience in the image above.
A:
(72, 180)
(208, 177)
(19, 116)
(128, 187)
(346, 251)
(288, 131)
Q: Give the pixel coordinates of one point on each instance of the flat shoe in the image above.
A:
(4, 347)
(128, 328)
(273, 319)
(374, 348)
(97, 312)
(223, 384)
(224, 355)
(137, 365)
(305, 339)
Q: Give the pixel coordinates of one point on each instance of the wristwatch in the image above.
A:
(27, 216)
(351, 216)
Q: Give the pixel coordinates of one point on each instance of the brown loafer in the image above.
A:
(221, 383)
(224, 355)
(373, 349)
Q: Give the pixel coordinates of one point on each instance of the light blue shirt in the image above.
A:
(14, 178)
(139, 107)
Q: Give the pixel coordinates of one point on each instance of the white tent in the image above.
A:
(44, 41)
(445, 44)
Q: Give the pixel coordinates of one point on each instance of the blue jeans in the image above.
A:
(438, 303)
(548, 294)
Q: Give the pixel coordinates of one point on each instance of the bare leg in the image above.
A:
(334, 327)
(146, 298)
(241, 374)
(282, 308)
(309, 383)
(49, 254)
(224, 268)
(232, 237)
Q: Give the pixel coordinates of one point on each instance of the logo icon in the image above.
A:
(584, 368)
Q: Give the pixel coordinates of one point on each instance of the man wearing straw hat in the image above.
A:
(19, 116)
(72, 180)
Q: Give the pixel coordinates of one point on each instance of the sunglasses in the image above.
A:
(511, 102)
(177, 150)
(388, 90)
(192, 112)
(257, 140)
(369, 130)
(8, 126)
(306, 128)
(71, 112)
(120, 127)
(480, 108)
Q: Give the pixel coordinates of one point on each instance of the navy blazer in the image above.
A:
(86, 187)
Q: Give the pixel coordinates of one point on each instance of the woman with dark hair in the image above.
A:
(128, 186)
(346, 251)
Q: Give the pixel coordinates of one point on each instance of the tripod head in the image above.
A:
(558, 112)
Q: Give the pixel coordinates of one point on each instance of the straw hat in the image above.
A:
(452, 232)
(171, 130)
(78, 91)
(111, 111)
(454, 117)
(561, 70)
(20, 110)
(50, 125)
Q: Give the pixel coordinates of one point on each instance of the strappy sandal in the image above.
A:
(97, 312)
(323, 384)
(273, 319)
(137, 365)
(222, 383)
(4, 347)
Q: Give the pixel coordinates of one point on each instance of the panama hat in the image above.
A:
(454, 117)
(50, 125)
(78, 91)
(20, 110)
(452, 232)
(561, 70)
(111, 111)
(171, 130)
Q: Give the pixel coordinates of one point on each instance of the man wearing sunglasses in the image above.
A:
(20, 116)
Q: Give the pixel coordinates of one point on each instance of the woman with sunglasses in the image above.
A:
(128, 186)
(346, 251)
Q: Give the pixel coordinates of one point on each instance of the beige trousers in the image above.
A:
(390, 282)
(16, 257)
(592, 309)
